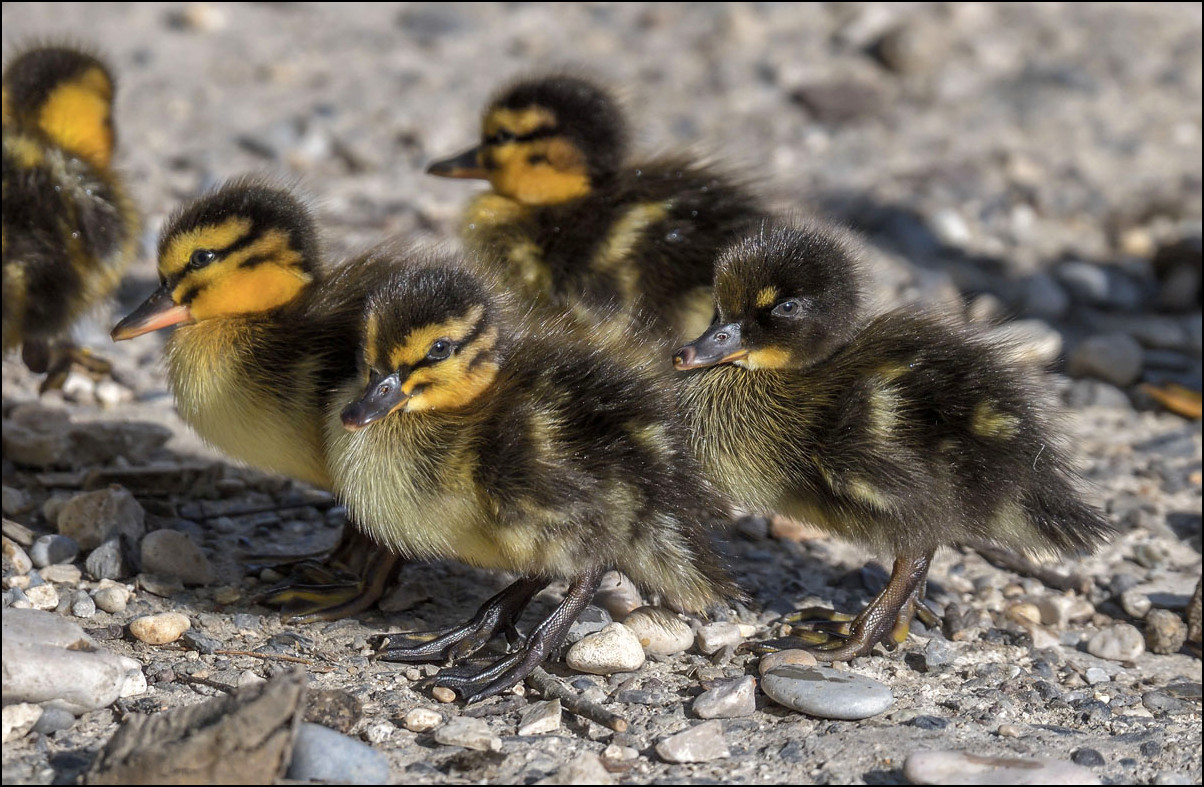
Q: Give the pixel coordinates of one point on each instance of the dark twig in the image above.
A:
(267, 656)
(1021, 565)
(573, 702)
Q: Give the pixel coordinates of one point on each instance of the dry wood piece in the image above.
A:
(244, 738)
(552, 689)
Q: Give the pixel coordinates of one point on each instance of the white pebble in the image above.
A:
(714, 637)
(422, 719)
(160, 629)
(698, 744)
(112, 599)
(957, 767)
(659, 631)
(613, 649)
(43, 597)
(19, 719)
(468, 732)
(539, 718)
(1120, 642)
(728, 700)
(617, 594)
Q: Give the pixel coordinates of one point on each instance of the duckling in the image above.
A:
(579, 227)
(70, 229)
(506, 443)
(256, 351)
(903, 432)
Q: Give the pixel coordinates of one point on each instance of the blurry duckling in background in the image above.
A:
(903, 432)
(508, 443)
(70, 230)
(263, 334)
(579, 227)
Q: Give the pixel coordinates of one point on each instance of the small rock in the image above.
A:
(799, 658)
(63, 573)
(17, 556)
(321, 754)
(443, 694)
(200, 18)
(54, 719)
(583, 769)
(701, 743)
(422, 719)
(14, 501)
(380, 732)
(1086, 282)
(1095, 676)
(160, 629)
(1024, 613)
(616, 753)
(468, 732)
(19, 719)
(1135, 603)
(92, 518)
(825, 692)
(956, 767)
(1009, 731)
(838, 103)
(1058, 611)
(713, 637)
(591, 620)
(249, 678)
(173, 554)
(1044, 298)
(950, 228)
(1164, 631)
(1088, 758)
(111, 560)
(613, 649)
(539, 718)
(43, 597)
(659, 631)
(164, 586)
(82, 605)
(1119, 642)
(1115, 358)
(51, 549)
(618, 595)
(728, 700)
(112, 599)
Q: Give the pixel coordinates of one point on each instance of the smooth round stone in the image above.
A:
(422, 719)
(1120, 642)
(173, 554)
(714, 637)
(321, 754)
(957, 767)
(17, 556)
(51, 549)
(160, 629)
(92, 518)
(1135, 603)
(613, 649)
(1115, 358)
(63, 573)
(618, 595)
(468, 732)
(43, 597)
(798, 658)
(826, 693)
(112, 600)
(659, 631)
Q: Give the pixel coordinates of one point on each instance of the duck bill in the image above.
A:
(156, 312)
(380, 398)
(720, 344)
(464, 165)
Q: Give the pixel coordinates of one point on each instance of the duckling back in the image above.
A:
(69, 228)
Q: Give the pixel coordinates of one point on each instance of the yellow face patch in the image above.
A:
(455, 382)
(767, 358)
(175, 256)
(246, 291)
(540, 172)
(767, 297)
(988, 421)
(76, 116)
(417, 343)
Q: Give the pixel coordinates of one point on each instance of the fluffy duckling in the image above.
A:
(263, 334)
(508, 444)
(578, 226)
(70, 230)
(903, 432)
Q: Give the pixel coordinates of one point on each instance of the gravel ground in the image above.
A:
(1037, 166)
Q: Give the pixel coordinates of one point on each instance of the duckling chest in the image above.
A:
(260, 415)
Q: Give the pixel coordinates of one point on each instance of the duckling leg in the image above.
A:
(351, 580)
(56, 359)
(499, 612)
(887, 619)
(477, 684)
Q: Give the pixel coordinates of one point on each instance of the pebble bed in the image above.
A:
(1015, 165)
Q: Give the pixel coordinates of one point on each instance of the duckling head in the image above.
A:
(248, 248)
(545, 141)
(787, 297)
(67, 95)
(431, 341)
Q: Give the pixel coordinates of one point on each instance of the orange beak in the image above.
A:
(156, 312)
(464, 165)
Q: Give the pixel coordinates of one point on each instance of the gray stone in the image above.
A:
(1135, 603)
(583, 769)
(1085, 282)
(539, 718)
(659, 631)
(713, 637)
(825, 692)
(321, 754)
(51, 549)
(728, 700)
(82, 605)
(16, 556)
(171, 553)
(93, 518)
(957, 767)
(111, 560)
(54, 719)
(592, 619)
(468, 732)
(161, 585)
(112, 599)
(618, 595)
(700, 743)
(1165, 631)
(1044, 298)
(1095, 676)
(613, 649)
(1119, 642)
(15, 501)
(1112, 357)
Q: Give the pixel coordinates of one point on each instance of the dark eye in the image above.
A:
(791, 308)
(440, 350)
(501, 137)
(536, 158)
(200, 258)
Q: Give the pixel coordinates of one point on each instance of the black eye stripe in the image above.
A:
(501, 138)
